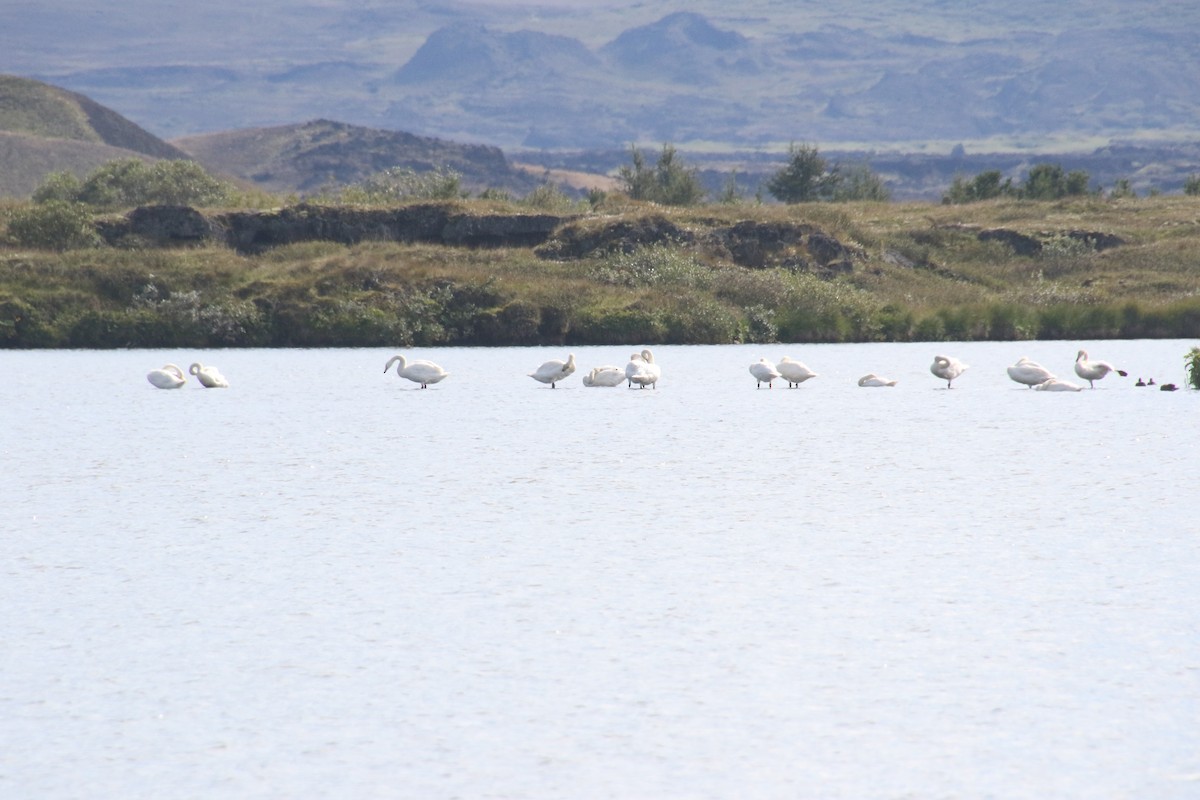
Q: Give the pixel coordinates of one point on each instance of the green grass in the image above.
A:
(920, 273)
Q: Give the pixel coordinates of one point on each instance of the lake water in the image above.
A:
(326, 582)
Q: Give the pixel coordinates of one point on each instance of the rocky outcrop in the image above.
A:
(256, 231)
(159, 226)
(1020, 243)
(757, 245)
(788, 245)
(1024, 244)
(586, 238)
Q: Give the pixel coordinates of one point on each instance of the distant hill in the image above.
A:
(896, 75)
(39, 109)
(306, 157)
(46, 129)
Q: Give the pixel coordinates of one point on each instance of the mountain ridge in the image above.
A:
(879, 75)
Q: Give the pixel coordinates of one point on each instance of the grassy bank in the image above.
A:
(917, 272)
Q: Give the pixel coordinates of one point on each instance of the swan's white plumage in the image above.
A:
(1055, 385)
(947, 368)
(794, 372)
(209, 377)
(168, 377)
(1029, 372)
(764, 372)
(871, 379)
(642, 370)
(417, 371)
(604, 376)
(1094, 370)
(554, 371)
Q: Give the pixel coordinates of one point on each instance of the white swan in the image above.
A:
(1055, 385)
(169, 377)
(794, 372)
(947, 368)
(642, 370)
(1029, 372)
(209, 377)
(1094, 370)
(633, 366)
(764, 372)
(417, 371)
(871, 379)
(554, 371)
(604, 376)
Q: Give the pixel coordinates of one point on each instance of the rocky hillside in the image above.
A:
(310, 156)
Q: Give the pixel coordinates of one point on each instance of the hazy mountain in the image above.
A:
(882, 74)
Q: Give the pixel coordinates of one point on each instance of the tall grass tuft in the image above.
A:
(1192, 363)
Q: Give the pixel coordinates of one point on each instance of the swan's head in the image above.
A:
(1081, 355)
(647, 357)
(393, 360)
(636, 357)
(174, 370)
(194, 369)
(870, 376)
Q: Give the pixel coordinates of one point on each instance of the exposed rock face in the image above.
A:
(1020, 243)
(790, 245)
(500, 230)
(1027, 245)
(765, 244)
(255, 231)
(1096, 240)
(164, 226)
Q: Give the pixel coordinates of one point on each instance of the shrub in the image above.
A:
(53, 225)
(655, 265)
(400, 184)
(132, 182)
(549, 197)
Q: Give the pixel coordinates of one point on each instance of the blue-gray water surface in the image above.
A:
(325, 581)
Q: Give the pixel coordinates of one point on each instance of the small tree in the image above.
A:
(669, 182)
(857, 182)
(1122, 189)
(804, 179)
(984, 186)
(1050, 182)
(1191, 186)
